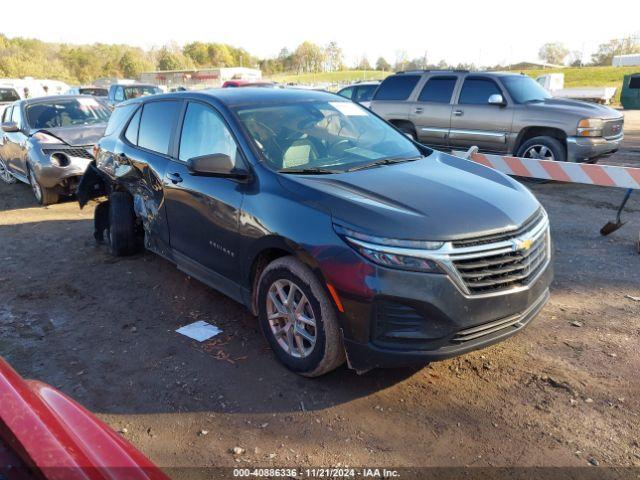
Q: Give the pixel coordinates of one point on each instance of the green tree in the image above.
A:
(553, 53)
(334, 57)
(383, 65)
(606, 51)
(308, 57)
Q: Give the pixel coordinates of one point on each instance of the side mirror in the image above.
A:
(496, 99)
(217, 164)
(10, 127)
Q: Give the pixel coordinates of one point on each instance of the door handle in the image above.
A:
(458, 113)
(418, 110)
(174, 177)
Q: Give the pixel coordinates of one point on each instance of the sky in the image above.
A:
(481, 32)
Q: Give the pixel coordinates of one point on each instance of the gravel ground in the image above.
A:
(564, 392)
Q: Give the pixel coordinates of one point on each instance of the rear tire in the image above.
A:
(543, 148)
(318, 349)
(121, 231)
(44, 196)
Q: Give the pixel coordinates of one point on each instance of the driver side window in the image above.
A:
(205, 133)
(119, 95)
(16, 116)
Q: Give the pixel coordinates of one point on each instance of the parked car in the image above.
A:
(119, 93)
(8, 95)
(345, 237)
(89, 90)
(248, 83)
(361, 92)
(46, 435)
(47, 142)
(503, 113)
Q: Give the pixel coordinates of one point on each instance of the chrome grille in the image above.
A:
(72, 152)
(506, 263)
(613, 128)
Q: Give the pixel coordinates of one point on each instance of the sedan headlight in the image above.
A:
(590, 127)
(392, 253)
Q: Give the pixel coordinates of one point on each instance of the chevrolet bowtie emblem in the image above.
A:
(523, 244)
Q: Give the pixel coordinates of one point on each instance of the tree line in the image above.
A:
(20, 57)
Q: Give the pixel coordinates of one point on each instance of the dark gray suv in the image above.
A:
(504, 113)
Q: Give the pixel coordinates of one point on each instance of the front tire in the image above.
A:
(298, 318)
(44, 196)
(121, 231)
(543, 148)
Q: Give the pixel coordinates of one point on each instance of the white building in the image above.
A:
(200, 78)
(626, 60)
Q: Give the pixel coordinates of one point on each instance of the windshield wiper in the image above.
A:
(383, 161)
(309, 170)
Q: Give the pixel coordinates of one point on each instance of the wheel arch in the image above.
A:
(530, 132)
(266, 251)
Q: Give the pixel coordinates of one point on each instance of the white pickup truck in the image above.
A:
(554, 83)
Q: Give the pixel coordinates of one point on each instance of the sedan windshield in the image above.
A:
(66, 113)
(323, 137)
(524, 89)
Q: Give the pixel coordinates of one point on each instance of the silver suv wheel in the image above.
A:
(539, 152)
(291, 318)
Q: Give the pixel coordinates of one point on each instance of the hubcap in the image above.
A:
(539, 152)
(291, 318)
(34, 186)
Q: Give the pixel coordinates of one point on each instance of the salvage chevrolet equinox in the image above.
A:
(346, 238)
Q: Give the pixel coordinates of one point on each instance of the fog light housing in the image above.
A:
(59, 159)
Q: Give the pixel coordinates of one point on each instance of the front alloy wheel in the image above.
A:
(539, 152)
(291, 318)
(5, 176)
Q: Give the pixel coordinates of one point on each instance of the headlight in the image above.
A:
(590, 127)
(388, 252)
(46, 138)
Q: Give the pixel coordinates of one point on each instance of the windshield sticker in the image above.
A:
(349, 109)
(363, 152)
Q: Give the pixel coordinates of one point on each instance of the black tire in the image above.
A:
(554, 146)
(122, 226)
(327, 353)
(44, 196)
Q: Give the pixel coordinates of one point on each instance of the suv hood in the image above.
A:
(440, 197)
(78, 136)
(581, 109)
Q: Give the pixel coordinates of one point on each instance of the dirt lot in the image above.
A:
(564, 392)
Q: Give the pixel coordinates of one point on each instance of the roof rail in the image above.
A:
(432, 70)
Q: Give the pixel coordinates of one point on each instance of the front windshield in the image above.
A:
(337, 135)
(8, 95)
(66, 113)
(524, 89)
(138, 91)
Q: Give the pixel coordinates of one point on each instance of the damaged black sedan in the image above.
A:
(347, 239)
(47, 142)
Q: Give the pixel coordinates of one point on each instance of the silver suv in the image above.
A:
(504, 113)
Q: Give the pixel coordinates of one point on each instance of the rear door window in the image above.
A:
(438, 90)
(476, 91)
(132, 129)
(157, 123)
(397, 87)
(634, 83)
(119, 117)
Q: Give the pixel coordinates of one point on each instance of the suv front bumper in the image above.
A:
(585, 149)
(434, 319)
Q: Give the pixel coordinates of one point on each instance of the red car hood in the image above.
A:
(59, 439)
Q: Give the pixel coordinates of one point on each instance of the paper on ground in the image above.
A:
(199, 331)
